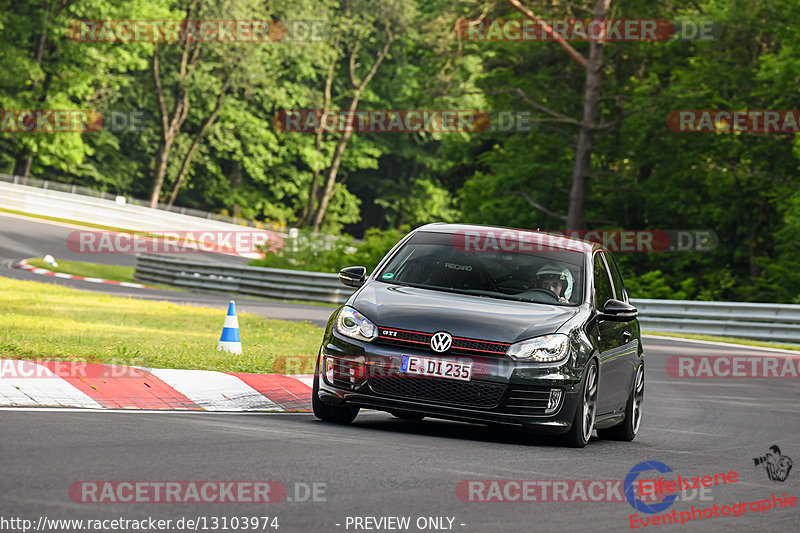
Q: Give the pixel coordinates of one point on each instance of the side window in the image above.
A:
(602, 284)
(616, 277)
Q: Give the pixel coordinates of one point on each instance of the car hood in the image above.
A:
(461, 315)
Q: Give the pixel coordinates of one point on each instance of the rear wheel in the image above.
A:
(583, 421)
(341, 414)
(628, 428)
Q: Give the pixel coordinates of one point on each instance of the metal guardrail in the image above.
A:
(251, 281)
(772, 322)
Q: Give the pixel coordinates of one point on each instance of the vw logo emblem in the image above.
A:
(441, 342)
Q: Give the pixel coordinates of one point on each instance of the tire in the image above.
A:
(583, 421)
(407, 415)
(628, 428)
(340, 414)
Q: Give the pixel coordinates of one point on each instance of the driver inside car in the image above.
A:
(555, 279)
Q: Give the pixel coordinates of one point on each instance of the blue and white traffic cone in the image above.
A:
(50, 260)
(229, 340)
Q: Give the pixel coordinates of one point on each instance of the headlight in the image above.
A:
(546, 349)
(353, 324)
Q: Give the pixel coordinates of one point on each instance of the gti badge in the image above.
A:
(441, 342)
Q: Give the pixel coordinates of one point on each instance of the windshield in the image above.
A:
(434, 261)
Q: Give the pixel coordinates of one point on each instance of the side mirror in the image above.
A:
(619, 311)
(353, 276)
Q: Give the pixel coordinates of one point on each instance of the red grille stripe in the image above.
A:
(408, 331)
(403, 340)
(431, 334)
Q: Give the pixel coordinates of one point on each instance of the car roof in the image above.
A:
(553, 240)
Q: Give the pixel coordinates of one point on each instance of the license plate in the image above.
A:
(423, 366)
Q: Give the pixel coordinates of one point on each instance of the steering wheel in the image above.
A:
(489, 278)
(501, 279)
(533, 290)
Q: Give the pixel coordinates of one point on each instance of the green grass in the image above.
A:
(97, 270)
(41, 321)
(89, 270)
(730, 340)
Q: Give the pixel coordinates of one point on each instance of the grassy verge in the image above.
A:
(89, 270)
(47, 322)
(729, 340)
(97, 270)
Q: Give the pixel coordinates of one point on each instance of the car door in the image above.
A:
(629, 332)
(613, 343)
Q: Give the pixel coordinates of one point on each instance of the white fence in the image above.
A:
(105, 211)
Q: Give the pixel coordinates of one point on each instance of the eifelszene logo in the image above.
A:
(657, 495)
(777, 466)
(630, 495)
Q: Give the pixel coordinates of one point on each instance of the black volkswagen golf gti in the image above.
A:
(488, 325)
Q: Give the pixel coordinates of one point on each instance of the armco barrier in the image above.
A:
(252, 281)
(773, 322)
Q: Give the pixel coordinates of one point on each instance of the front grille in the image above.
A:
(526, 400)
(468, 393)
(479, 346)
(421, 340)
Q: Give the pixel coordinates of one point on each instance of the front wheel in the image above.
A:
(628, 428)
(341, 414)
(583, 421)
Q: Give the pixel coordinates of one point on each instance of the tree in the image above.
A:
(358, 26)
(588, 124)
(191, 83)
(47, 67)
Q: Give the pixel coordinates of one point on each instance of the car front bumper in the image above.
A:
(501, 391)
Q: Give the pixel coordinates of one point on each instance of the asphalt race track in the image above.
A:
(384, 467)
(34, 237)
(381, 466)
